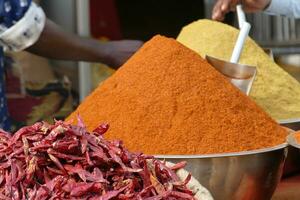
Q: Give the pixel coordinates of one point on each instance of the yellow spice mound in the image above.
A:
(274, 89)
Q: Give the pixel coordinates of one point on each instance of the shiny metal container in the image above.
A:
(293, 124)
(292, 163)
(234, 176)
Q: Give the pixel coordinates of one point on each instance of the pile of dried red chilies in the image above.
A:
(63, 161)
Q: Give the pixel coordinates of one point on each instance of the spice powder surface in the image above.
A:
(166, 99)
(274, 89)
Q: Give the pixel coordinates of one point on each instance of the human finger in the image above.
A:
(220, 9)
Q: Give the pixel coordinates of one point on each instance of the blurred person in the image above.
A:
(24, 26)
(289, 8)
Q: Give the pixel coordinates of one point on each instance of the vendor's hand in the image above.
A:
(222, 7)
(118, 52)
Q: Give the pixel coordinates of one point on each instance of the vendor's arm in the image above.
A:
(31, 30)
(222, 7)
(55, 43)
(290, 8)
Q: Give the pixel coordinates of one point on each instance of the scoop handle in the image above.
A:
(241, 15)
(240, 42)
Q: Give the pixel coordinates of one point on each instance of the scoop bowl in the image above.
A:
(242, 76)
(234, 176)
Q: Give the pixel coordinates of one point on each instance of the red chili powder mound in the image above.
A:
(297, 137)
(168, 100)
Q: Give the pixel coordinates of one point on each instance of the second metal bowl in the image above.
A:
(293, 124)
(234, 176)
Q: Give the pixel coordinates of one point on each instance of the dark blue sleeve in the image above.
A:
(12, 11)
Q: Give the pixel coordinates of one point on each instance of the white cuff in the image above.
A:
(289, 8)
(26, 31)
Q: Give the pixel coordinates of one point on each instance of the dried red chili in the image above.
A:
(63, 161)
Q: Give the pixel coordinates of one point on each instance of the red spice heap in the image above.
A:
(297, 137)
(61, 161)
(168, 100)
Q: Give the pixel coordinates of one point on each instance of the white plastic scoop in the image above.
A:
(242, 76)
(244, 32)
(241, 15)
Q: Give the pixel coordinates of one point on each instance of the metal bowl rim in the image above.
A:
(219, 155)
(288, 121)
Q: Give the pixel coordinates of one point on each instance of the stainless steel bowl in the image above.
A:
(293, 124)
(292, 162)
(234, 176)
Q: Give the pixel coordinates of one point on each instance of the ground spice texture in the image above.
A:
(168, 100)
(276, 91)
